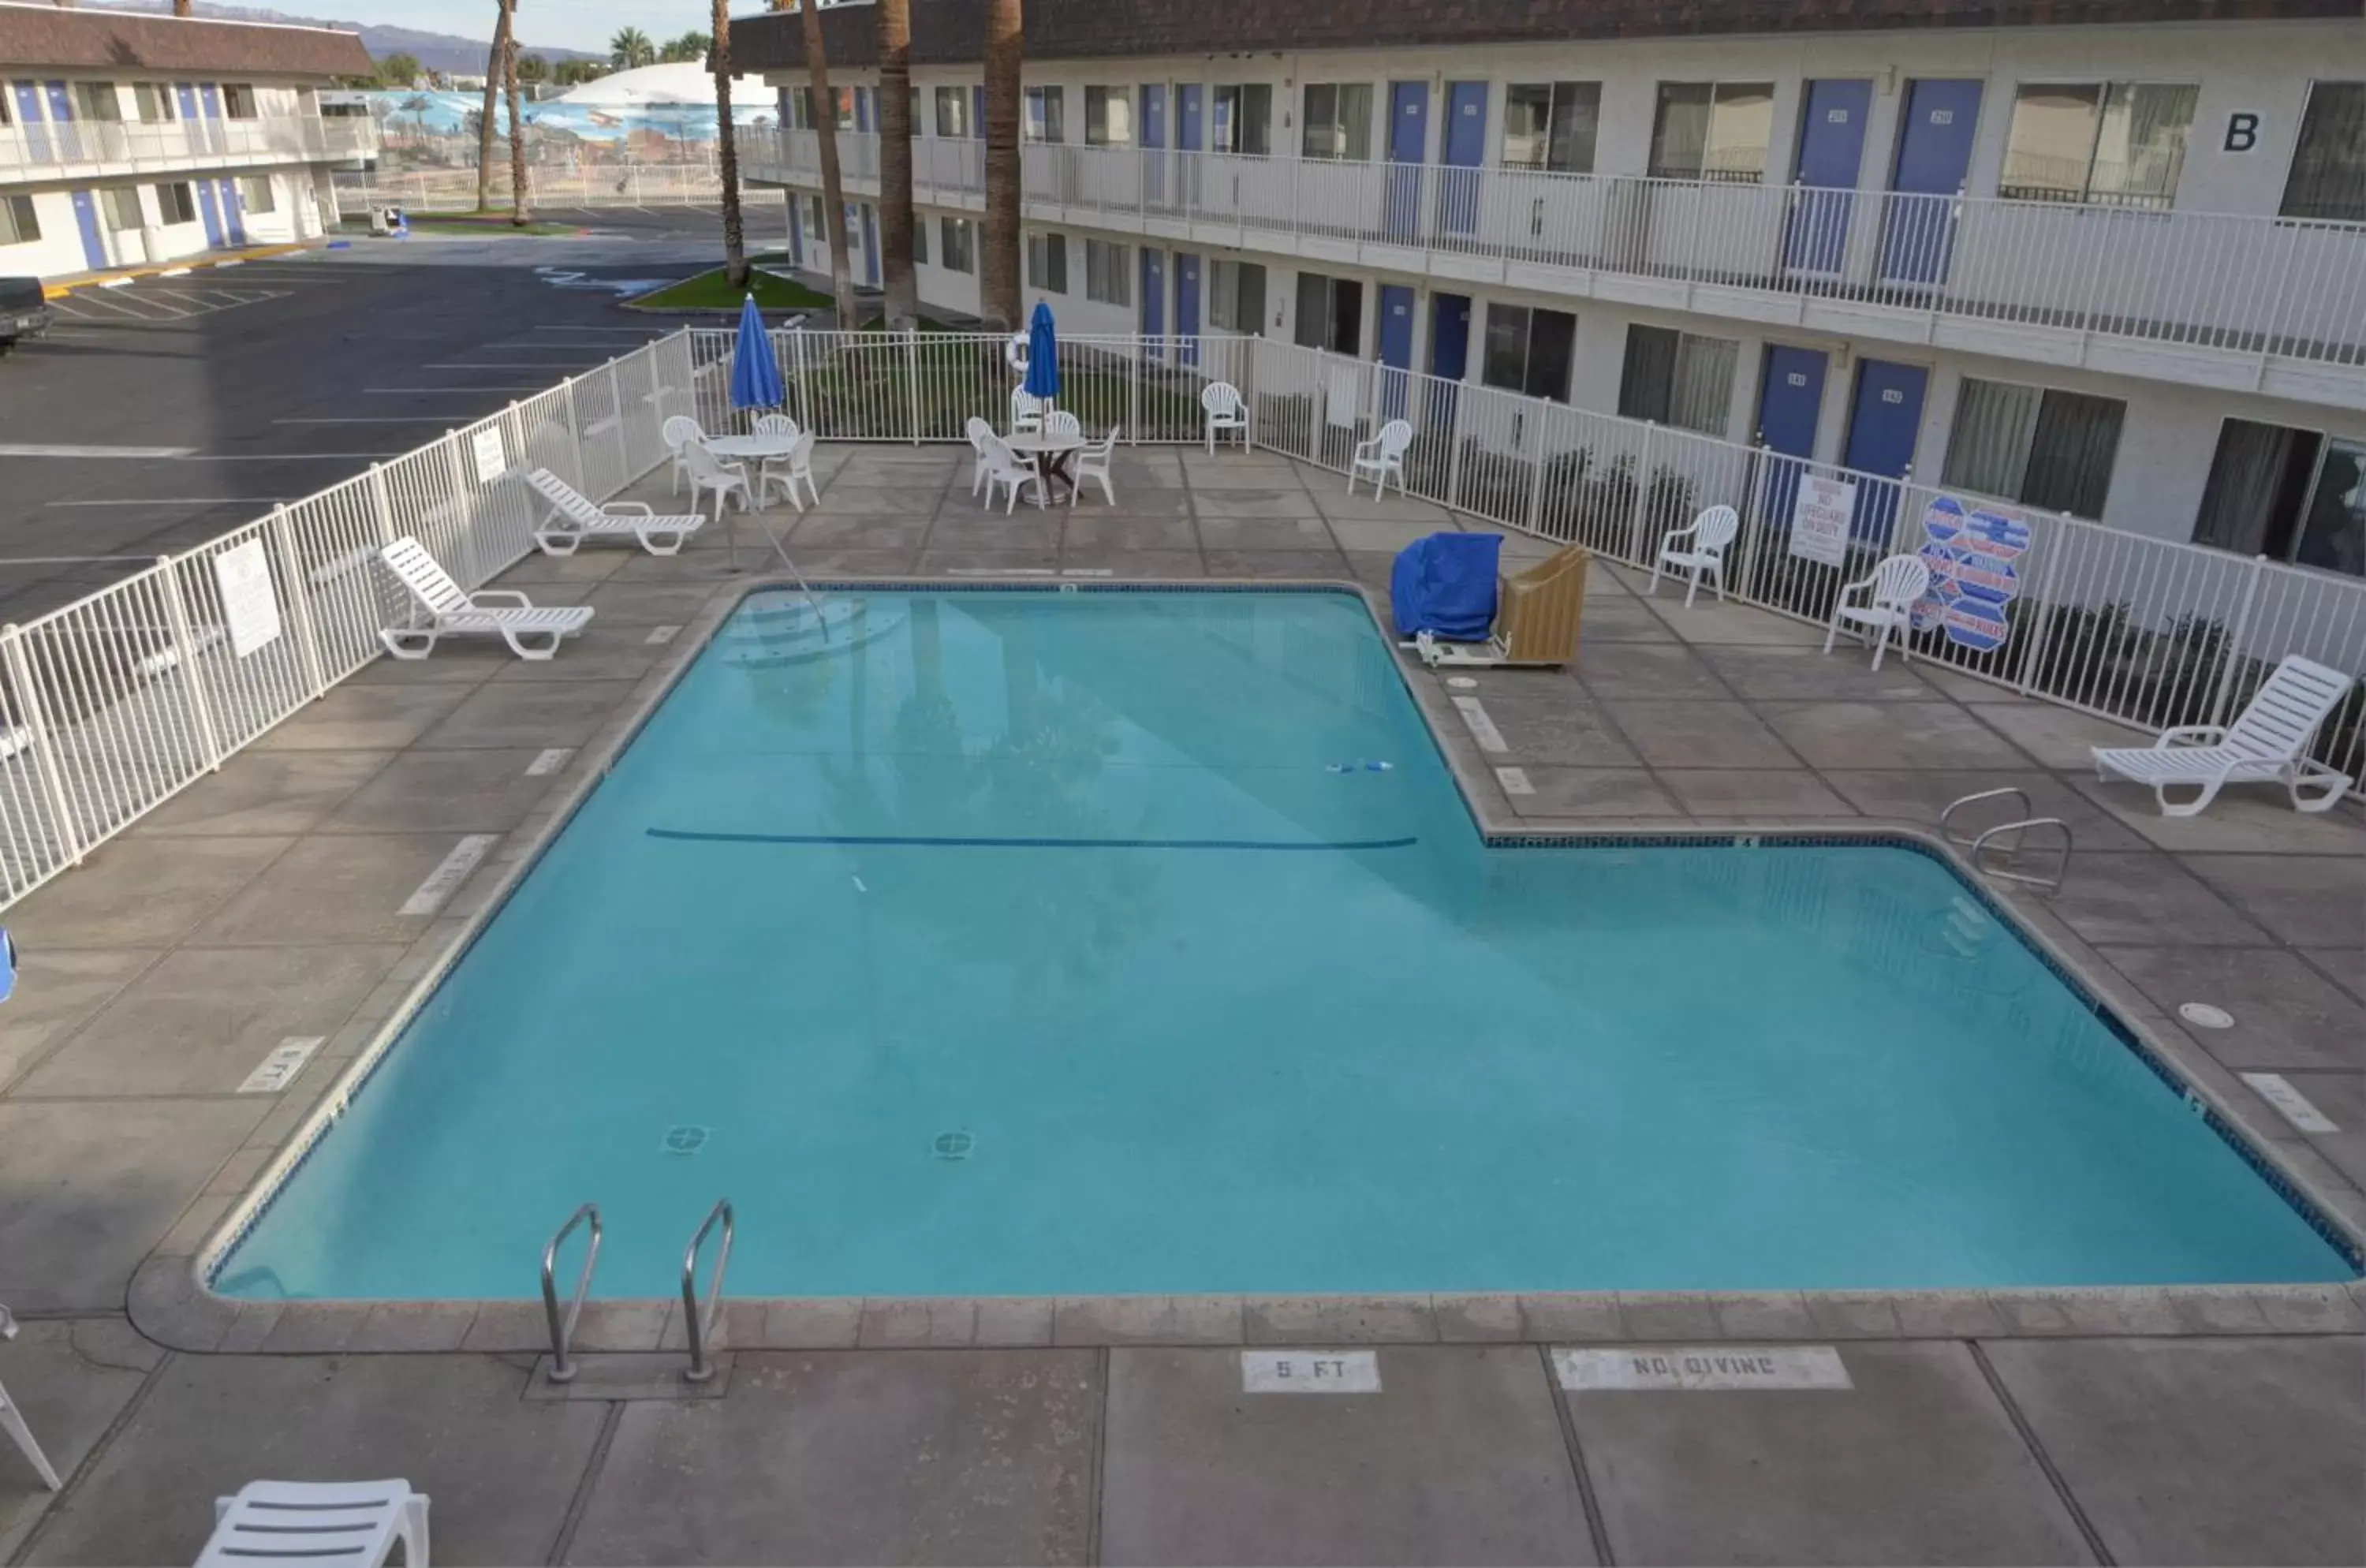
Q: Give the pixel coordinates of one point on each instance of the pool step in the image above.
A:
(1993, 849)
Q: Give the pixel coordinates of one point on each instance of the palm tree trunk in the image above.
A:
(833, 193)
(997, 266)
(894, 19)
(735, 233)
(521, 197)
(181, 8)
(487, 121)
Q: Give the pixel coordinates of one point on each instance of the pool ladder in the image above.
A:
(1993, 849)
(698, 1317)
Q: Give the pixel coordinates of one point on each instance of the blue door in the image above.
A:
(1831, 152)
(1449, 350)
(1154, 299)
(1883, 420)
(1188, 142)
(210, 210)
(94, 249)
(871, 244)
(1153, 144)
(29, 115)
(1790, 402)
(1396, 347)
(61, 120)
(1466, 149)
(1408, 149)
(1223, 127)
(1934, 151)
(977, 113)
(233, 215)
(1186, 306)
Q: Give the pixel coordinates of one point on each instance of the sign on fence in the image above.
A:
(493, 458)
(1820, 511)
(250, 608)
(1971, 553)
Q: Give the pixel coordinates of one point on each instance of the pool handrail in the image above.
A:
(698, 1321)
(562, 1330)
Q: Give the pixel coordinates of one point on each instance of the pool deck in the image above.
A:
(265, 904)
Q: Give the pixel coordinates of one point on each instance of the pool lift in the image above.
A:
(843, 624)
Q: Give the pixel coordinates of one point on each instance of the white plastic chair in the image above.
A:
(575, 517)
(1381, 455)
(453, 611)
(773, 424)
(1093, 463)
(1026, 411)
(1004, 467)
(2268, 741)
(789, 472)
(1892, 592)
(680, 431)
(355, 1522)
(12, 1421)
(708, 471)
(1221, 401)
(977, 430)
(1698, 550)
(1060, 422)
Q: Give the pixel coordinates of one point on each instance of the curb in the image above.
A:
(157, 269)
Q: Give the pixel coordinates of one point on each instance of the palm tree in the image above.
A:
(631, 46)
(689, 45)
(181, 8)
(496, 64)
(735, 234)
(997, 268)
(520, 200)
(896, 129)
(833, 194)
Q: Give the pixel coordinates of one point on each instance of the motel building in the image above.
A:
(128, 140)
(2114, 269)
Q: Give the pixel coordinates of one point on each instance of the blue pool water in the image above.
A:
(1139, 942)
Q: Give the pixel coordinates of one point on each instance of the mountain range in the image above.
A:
(435, 51)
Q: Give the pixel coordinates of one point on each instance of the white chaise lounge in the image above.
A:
(452, 611)
(12, 1422)
(575, 517)
(354, 1523)
(2268, 741)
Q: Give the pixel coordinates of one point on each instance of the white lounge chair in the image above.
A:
(12, 1421)
(2268, 741)
(1004, 467)
(452, 611)
(1381, 455)
(1698, 550)
(1093, 463)
(977, 430)
(1891, 593)
(791, 471)
(355, 1522)
(1026, 411)
(680, 431)
(708, 471)
(574, 517)
(1221, 401)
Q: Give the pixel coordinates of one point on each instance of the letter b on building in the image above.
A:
(2242, 132)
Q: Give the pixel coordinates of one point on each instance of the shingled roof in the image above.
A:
(949, 32)
(48, 39)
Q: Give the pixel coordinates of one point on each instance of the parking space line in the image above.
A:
(36, 450)
(429, 391)
(173, 501)
(375, 419)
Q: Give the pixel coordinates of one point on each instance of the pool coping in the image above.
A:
(172, 1299)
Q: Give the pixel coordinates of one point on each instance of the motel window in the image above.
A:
(238, 101)
(1236, 297)
(155, 102)
(952, 114)
(177, 201)
(96, 100)
(1047, 114)
(2291, 495)
(1047, 262)
(1107, 276)
(121, 204)
(2045, 448)
(19, 225)
(1244, 119)
(1712, 130)
(960, 244)
(2118, 142)
(7, 114)
(1108, 117)
(1330, 313)
(1678, 378)
(1528, 351)
(257, 194)
(1550, 125)
(1338, 121)
(2328, 168)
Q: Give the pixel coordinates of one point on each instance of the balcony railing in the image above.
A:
(41, 146)
(2263, 288)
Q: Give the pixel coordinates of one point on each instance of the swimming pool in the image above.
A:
(1110, 942)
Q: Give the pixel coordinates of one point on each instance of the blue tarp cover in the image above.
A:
(1444, 585)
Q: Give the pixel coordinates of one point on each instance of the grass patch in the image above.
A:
(713, 291)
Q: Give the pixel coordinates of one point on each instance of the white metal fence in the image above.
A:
(53, 146)
(111, 704)
(598, 184)
(2150, 631)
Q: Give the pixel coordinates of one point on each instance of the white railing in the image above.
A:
(628, 184)
(57, 145)
(2285, 289)
(111, 704)
(2149, 631)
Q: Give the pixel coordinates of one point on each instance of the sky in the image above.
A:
(557, 24)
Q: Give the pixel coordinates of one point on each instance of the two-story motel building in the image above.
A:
(2105, 258)
(128, 139)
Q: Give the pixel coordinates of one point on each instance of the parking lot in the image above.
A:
(163, 412)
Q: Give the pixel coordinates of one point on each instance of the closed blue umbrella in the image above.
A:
(1042, 355)
(755, 373)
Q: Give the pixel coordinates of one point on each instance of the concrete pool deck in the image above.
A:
(263, 904)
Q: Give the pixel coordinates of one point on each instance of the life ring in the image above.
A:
(1014, 354)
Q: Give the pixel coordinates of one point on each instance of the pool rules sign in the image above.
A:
(250, 608)
(1820, 510)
